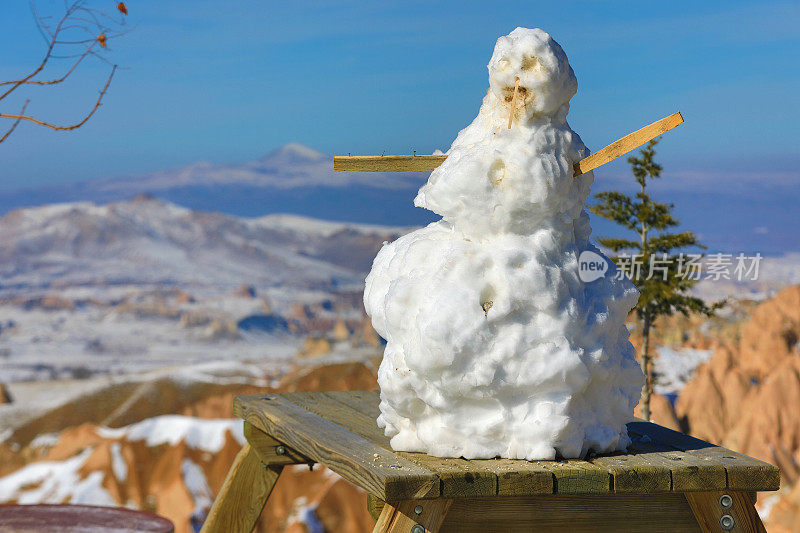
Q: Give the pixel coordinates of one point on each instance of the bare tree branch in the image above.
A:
(56, 81)
(74, 36)
(75, 126)
(16, 123)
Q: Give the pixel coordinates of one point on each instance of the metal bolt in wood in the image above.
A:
(417, 529)
(725, 501)
(726, 522)
(418, 509)
(280, 450)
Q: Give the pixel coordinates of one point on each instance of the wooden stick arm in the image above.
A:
(386, 163)
(626, 144)
(419, 163)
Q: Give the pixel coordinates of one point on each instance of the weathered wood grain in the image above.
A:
(590, 513)
(353, 457)
(575, 476)
(516, 477)
(688, 473)
(266, 447)
(635, 473)
(743, 473)
(374, 506)
(458, 477)
(363, 401)
(513, 477)
(519, 478)
(243, 494)
(658, 460)
(401, 517)
(709, 512)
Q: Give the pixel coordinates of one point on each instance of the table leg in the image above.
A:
(243, 494)
(725, 511)
(404, 515)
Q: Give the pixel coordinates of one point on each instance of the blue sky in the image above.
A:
(230, 81)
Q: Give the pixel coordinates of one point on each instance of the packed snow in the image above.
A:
(495, 347)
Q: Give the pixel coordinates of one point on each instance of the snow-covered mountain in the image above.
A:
(141, 285)
(292, 166)
(150, 242)
(292, 179)
(730, 212)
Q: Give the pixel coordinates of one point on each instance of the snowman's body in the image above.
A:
(495, 347)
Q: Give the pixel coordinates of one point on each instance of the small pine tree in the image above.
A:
(662, 294)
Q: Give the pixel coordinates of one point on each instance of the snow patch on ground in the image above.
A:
(45, 440)
(674, 367)
(296, 223)
(197, 484)
(49, 345)
(118, 464)
(33, 398)
(203, 434)
(304, 513)
(766, 506)
(55, 482)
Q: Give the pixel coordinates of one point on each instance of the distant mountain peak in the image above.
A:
(144, 197)
(296, 150)
(292, 178)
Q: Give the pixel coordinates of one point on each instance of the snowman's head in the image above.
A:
(546, 81)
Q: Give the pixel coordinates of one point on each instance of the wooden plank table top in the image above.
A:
(338, 430)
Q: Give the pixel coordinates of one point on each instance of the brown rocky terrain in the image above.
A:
(5, 396)
(178, 479)
(661, 412)
(744, 397)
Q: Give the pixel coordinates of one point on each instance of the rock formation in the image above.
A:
(746, 396)
(5, 396)
(174, 465)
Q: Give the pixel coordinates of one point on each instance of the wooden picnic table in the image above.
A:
(667, 481)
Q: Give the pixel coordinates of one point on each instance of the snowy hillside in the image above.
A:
(142, 285)
(291, 166)
(732, 212)
(149, 242)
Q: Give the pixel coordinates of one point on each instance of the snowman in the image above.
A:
(495, 347)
